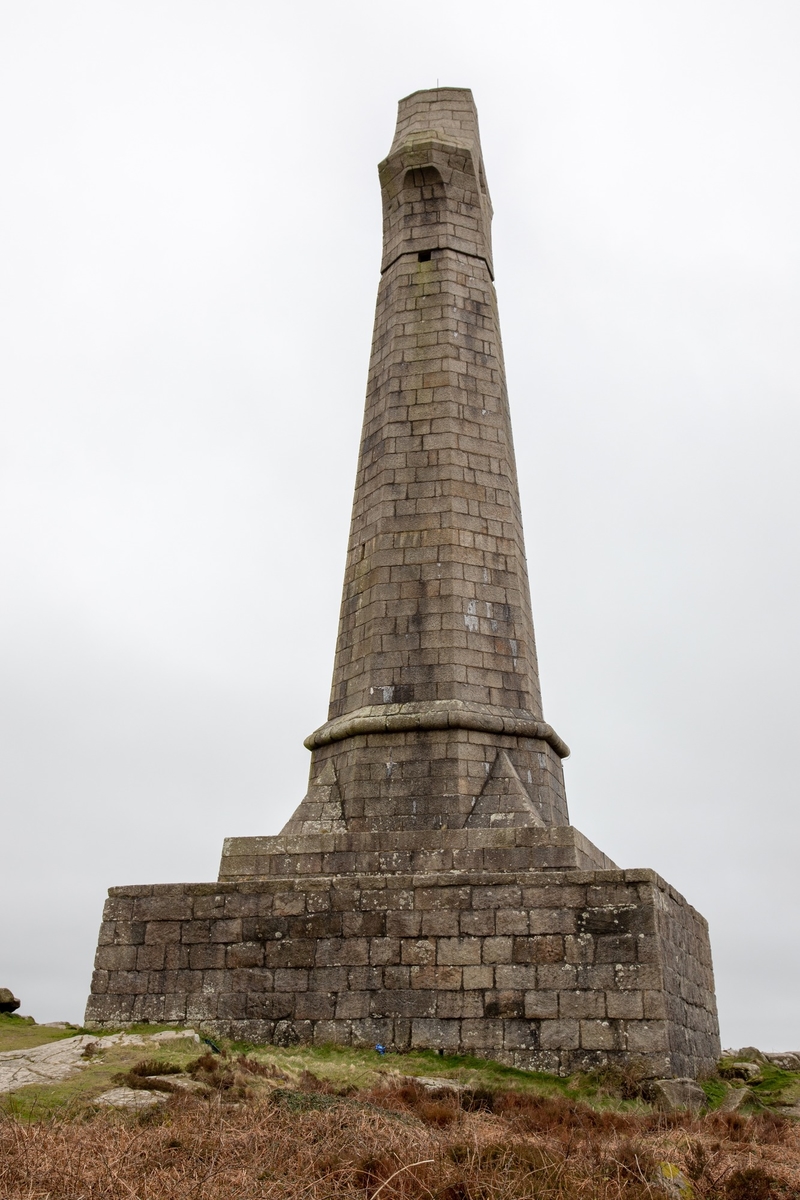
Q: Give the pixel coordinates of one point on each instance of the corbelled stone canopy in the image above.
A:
(429, 889)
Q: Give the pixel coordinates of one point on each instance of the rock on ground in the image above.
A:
(124, 1097)
(671, 1180)
(180, 1082)
(8, 1001)
(433, 1083)
(741, 1070)
(674, 1094)
(735, 1098)
(788, 1061)
(58, 1060)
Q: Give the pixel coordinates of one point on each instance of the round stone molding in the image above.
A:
(437, 714)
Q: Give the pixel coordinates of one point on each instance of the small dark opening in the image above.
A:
(424, 256)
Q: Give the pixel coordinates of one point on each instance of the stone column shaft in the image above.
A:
(436, 670)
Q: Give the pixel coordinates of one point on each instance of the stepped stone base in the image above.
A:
(474, 948)
(524, 848)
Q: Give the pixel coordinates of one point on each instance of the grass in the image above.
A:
(715, 1091)
(22, 1033)
(346, 1065)
(611, 1088)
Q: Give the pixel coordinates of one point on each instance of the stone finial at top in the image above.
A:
(433, 182)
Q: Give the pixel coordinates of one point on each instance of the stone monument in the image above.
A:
(429, 889)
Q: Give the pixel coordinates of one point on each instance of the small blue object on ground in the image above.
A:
(381, 1049)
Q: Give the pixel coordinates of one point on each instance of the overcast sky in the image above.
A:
(190, 218)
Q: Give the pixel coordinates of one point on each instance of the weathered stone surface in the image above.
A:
(503, 802)
(42, 1064)
(134, 1098)
(734, 1099)
(428, 890)
(180, 1083)
(743, 1062)
(497, 847)
(746, 1054)
(741, 1070)
(174, 1035)
(675, 1094)
(59, 1060)
(412, 970)
(321, 809)
(788, 1061)
(8, 1001)
(435, 1083)
(670, 1180)
(435, 671)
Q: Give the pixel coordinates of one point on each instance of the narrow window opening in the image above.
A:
(424, 256)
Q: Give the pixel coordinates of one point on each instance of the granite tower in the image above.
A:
(429, 889)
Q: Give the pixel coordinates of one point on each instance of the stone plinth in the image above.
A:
(546, 970)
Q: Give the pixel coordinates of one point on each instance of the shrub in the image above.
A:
(753, 1183)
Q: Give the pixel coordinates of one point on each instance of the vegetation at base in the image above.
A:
(776, 1084)
(256, 1122)
(351, 1065)
(266, 1138)
(96, 1075)
(715, 1089)
(346, 1069)
(772, 1087)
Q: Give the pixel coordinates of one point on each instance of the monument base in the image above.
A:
(482, 952)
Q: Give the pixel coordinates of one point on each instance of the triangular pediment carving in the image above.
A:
(504, 801)
(320, 810)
